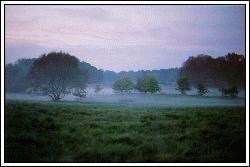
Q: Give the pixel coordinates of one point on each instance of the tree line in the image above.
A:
(145, 84)
(17, 82)
(16, 79)
(164, 76)
(226, 71)
(227, 74)
(57, 73)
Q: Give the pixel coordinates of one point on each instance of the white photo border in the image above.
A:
(3, 3)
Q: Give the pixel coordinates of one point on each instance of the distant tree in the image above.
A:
(220, 72)
(80, 92)
(13, 78)
(235, 70)
(124, 84)
(25, 64)
(94, 75)
(15, 75)
(148, 84)
(98, 88)
(231, 91)
(183, 84)
(56, 73)
(163, 75)
(202, 89)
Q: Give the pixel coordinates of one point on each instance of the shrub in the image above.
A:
(202, 89)
(231, 91)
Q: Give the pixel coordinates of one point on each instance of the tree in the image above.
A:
(231, 91)
(202, 89)
(148, 84)
(56, 73)
(14, 78)
(222, 71)
(94, 75)
(124, 84)
(98, 88)
(15, 75)
(183, 84)
(79, 92)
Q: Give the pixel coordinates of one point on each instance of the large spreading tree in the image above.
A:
(56, 73)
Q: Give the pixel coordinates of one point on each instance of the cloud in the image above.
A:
(141, 34)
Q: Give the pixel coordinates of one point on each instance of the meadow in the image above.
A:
(41, 131)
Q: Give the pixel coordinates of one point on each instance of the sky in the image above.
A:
(124, 37)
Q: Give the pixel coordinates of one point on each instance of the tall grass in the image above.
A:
(36, 132)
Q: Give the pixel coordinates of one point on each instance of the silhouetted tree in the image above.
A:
(94, 75)
(231, 91)
(14, 78)
(15, 75)
(56, 73)
(219, 72)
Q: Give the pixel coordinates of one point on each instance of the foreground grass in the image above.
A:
(39, 132)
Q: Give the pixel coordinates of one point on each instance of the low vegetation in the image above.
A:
(61, 132)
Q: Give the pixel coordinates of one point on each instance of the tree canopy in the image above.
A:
(148, 84)
(56, 73)
(123, 85)
(224, 71)
(15, 75)
(183, 84)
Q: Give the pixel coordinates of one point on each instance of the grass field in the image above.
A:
(58, 132)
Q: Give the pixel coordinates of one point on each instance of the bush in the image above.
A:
(231, 91)
(202, 89)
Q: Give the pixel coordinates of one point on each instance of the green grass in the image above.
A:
(47, 132)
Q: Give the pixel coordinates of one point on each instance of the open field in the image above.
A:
(102, 132)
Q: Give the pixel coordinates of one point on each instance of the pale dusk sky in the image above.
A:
(124, 37)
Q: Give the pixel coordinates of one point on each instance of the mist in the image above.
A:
(168, 97)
